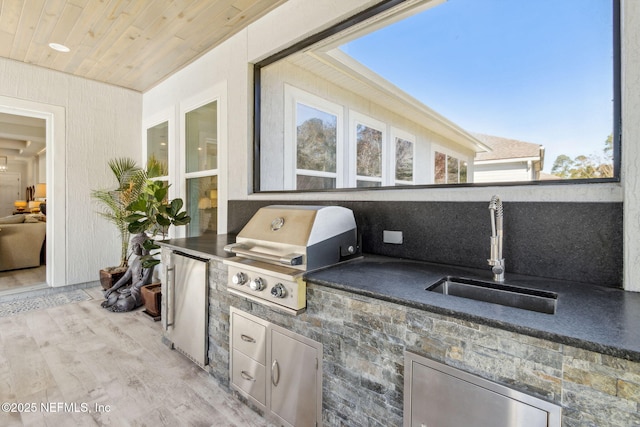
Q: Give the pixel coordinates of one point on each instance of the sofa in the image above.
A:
(22, 240)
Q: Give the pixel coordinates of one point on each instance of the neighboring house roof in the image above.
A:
(504, 148)
(547, 176)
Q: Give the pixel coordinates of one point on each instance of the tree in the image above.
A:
(581, 167)
(316, 145)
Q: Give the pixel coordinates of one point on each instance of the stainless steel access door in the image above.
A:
(187, 305)
(438, 395)
(294, 367)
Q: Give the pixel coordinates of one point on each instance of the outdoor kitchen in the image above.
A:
(396, 213)
(366, 314)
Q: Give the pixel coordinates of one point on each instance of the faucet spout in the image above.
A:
(496, 260)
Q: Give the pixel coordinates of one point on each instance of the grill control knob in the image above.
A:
(279, 291)
(239, 279)
(256, 284)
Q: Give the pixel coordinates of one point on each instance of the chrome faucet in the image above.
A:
(496, 260)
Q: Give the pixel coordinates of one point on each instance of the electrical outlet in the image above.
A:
(393, 237)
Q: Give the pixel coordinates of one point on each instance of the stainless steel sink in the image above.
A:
(511, 296)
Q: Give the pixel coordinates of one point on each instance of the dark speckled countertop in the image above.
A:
(604, 320)
(600, 319)
(207, 244)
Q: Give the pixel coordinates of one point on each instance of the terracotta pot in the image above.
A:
(151, 298)
(110, 276)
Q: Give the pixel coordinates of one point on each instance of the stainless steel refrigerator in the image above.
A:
(187, 305)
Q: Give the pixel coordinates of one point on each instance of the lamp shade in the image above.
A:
(34, 206)
(204, 203)
(41, 191)
(20, 204)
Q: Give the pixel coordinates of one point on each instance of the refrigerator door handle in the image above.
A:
(171, 279)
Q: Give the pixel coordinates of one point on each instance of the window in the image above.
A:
(158, 150)
(369, 139)
(202, 138)
(201, 168)
(323, 159)
(316, 147)
(404, 144)
(202, 194)
(313, 139)
(449, 169)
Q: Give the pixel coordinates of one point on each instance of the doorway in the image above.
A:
(22, 225)
(53, 174)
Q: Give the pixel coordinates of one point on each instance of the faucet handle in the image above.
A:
(497, 269)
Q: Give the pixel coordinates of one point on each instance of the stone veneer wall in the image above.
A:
(364, 341)
(219, 300)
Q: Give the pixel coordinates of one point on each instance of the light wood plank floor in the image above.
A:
(14, 280)
(113, 365)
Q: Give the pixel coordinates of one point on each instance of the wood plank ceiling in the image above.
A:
(130, 43)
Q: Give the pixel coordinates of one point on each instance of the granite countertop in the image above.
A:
(207, 245)
(599, 319)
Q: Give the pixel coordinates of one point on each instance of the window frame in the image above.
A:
(449, 154)
(217, 93)
(396, 133)
(356, 118)
(168, 116)
(293, 97)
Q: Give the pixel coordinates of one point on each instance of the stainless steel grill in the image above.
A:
(280, 243)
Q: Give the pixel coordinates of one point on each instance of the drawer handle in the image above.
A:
(246, 376)
(247, 338)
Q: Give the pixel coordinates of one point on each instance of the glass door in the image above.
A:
(201, 168)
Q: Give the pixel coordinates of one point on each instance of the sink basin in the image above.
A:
(511, 296)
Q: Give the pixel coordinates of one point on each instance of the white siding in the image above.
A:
(502, 172)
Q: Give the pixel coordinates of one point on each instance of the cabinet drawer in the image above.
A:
(249, 337)
(249, 376)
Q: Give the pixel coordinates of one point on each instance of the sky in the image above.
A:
(536, 71)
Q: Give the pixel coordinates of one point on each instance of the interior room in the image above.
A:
(323, 213)
(23, 202)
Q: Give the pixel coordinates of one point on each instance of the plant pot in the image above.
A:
(109, 276)
(152, 298)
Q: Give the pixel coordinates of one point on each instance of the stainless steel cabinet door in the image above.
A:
(187, 303)
(293, 380)
(438, 395)
(441, 400)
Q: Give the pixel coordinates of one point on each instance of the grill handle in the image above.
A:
(240, 249)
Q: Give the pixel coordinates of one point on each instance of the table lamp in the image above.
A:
(20, 205)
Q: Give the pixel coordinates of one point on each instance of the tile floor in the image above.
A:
(78, 364)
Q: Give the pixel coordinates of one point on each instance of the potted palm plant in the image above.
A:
(114, 207)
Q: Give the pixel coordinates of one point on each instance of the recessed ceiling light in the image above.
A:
(59, 47)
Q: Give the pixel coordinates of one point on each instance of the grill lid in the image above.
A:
(283, 234)
(297, 225)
